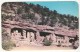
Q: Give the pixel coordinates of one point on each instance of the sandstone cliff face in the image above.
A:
(40, 17)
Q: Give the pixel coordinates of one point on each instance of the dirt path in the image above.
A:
(41, 48)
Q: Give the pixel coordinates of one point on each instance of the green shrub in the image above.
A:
(46, 42)
(7, 45)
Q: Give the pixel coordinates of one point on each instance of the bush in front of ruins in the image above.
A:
(46, 42)
(7, 45)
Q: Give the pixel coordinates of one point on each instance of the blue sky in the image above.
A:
(62, 7)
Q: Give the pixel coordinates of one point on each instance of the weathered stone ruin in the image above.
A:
(27, 34)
